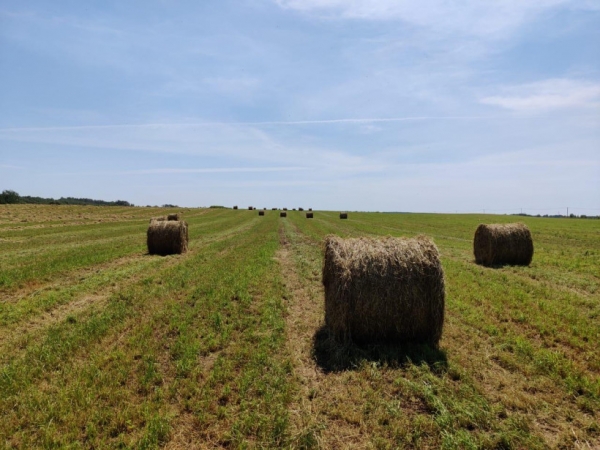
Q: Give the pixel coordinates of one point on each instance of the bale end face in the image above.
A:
(167, 237)
(498, 244)
(261, 213)
(384, 290)
(282, 214)
(343, 215)
(309, 215)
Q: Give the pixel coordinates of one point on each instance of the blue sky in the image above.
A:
(388, 105)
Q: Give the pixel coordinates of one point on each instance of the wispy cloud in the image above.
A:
(211, 170)
(465, 17)
(547, 95)
(167, 125)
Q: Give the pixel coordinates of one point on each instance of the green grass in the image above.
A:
(104, 346)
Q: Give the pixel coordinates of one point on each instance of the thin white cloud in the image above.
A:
(466, 17)
(211, 170)
(547, 95)
(171, 125)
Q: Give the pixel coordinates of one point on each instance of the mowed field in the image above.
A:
(104, 346)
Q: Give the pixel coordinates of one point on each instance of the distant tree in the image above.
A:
(9, 196)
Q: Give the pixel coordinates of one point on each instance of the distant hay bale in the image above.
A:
(274, 209)
(250, 208)
(343, 215)
(235, 207)
(293, 209)
(309, 215)
(300, 209)
(158, 219)
(310, 209)
(173, 217)
(503, 244)
(261, 213)
(285, 209)
(384, 290)
(167, 237)
(282, 214)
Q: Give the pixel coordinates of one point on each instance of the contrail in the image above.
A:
(272, 122)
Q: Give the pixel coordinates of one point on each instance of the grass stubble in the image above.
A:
(224, 346)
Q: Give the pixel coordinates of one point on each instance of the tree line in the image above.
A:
(12, 197)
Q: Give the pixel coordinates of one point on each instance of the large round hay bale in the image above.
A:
(261, 213)
(384, 290)
(235, 207)
(158, 219)
(309, 215)
(250, 208)
(167, 237)
(285, 209)
(300, 209)
(498, 244)
(343, 215)
(173, 216)
(282, 214)
(274, 209)
(310, 209)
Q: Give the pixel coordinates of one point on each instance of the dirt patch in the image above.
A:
(314, 421)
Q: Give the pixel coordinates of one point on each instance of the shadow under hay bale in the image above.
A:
(496, 244)
(309, 215)
(173, 217)
(282, 214)
(343, 215)
(167, 237)
(333, 355)
(384, 290)
(261, 213)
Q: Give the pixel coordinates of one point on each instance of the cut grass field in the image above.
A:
(102, 345)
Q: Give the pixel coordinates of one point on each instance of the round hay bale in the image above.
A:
(274, 209)
(282, 214)
(497, 244)
(309, 215)
(235, 207)
(285, 209)
(167, 237)
(261, 213)
(173, 216)
(343, 215)
(158, 219)
(310, 209)
(300, 209)
(384, 290)
(250, 208)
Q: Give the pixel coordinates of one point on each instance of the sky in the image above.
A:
(373, 105)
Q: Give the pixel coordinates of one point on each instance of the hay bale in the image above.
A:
(310, 209)
(173, 217)
(300, 209)
(384, 290)
(274, 209)
(343, 215)
(250, 208)
(309, 215)
(235, 207)
(285, 209)
(282, 214)
(503, 244)
(261, 213)
(167, 237)
(158, 219)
